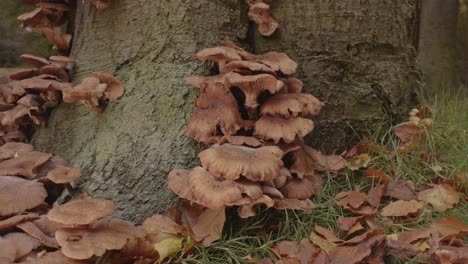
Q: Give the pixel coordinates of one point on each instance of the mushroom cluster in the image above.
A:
(256, 116)
(50, 18)
(29, 95)
(259, 13)
(35, 229)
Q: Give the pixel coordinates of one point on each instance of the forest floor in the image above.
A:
(441, 156)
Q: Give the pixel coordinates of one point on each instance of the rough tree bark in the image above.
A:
(437, 51)
(357, 56)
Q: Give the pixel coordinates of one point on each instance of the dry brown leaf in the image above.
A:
(322, 243)
(356, 254)
(441, 197)
(400, 190)
(375, 195)
(452, 255)
(327, 234)
(376, 175)
(351, 199)
(408, 132)
(449, 227)
(345, 223)
(402, 208)
(209, 226)
(355, 228)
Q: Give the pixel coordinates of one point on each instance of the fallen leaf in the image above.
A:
(401, 249)
(322, 243)
(327, 234)
(441, 197)
(452, 255)
(356, 254)
(351, 199)
(449, 227)
(331, 163)
(413, 235)
(461, 182)
(209, 226)
(375, 195)
(360, 161)
(168, 247)
(355, 228)
(345, 223)
(376, 175)
(400, 190)
(402, 208)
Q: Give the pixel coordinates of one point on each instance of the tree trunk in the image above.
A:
(437, 52)
(357, 56)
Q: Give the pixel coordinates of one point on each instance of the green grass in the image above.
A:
(446, 140)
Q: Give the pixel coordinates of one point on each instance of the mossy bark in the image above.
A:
(356, 56)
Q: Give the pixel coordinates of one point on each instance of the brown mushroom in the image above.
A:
(95, 240)
(62, 61)
(60, 73)
(212, 192)
(279, 61)
(23, 74)
(220, 55)
(11, 222)
(277, 128)
(24, 164)
(61, 41)
(292, 85)
(298, 189)
(216, 111)
(63, 174)
(18, 195)
(90, 91)
(240, 141)
(287, 105)
(55, 257)
(216, 82)
(35, 61)
(159, 227)
(32, 230)
(231, 162)
(178, 182)
(252, 86)
(81, 211)
(260, 14)
(248, 67)
(248, 210)
(302, 162)
(101, 4)
(7, 251)
(114, 89)
(23, 243)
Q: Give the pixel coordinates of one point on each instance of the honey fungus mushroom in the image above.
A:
(18, 195)
(253, 86)
(277, 128)
(81, 211)
(260, 14)
(231, 162)
(287, 105)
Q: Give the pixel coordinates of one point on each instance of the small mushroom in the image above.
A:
(248, 67)
(35, 61)
(114, 89)
(231, 162)
(178, 182)
(32, 230)
(248, 210)
(287, 105)
(211, 191)
(220, 55)
(278, 61)
(61, 41)
(253, 86)
(23, 74)
(292, 85)
(81, 211)
(101, 4)
(18, 195)
(11, 222)
(60, 73)
(277, 128)
(260, 14)
(7, 251)
(303, 162)
(90, 91)
(298, 189)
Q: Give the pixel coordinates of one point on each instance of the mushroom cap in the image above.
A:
(16, 147)
(61, 41)
(249, 67)
(221, 54)
(240, 141)
(7, 251)
(95, 240)
(47, 226)
(303, 162)
(23, 74)
(34, 231)
(277, 128)
(11, 222)
(253, 85)
(278, 61)
(248, 210)
(178, 182)
(63, 174)
(101, 4)
(216, 110)
(211, 191)
(231, 162)
(287, 105)
(60, 73)
(208, 83)
(25, 164)
(292, 85)
(81, 212)
(18, 195)
(260, 14)
(23, 243)
(55, 257)
(35, 61)
(298, 189)
(114, 89)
